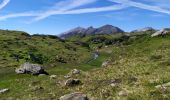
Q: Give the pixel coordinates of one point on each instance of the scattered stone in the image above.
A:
(123, 93)
(41, 75)
(53, 76)
(29, 68)
(72, 82)
(164, 86)
(115, 82)
(105, 64)
(37, 88)
(76, 71)
(67, 76)
(74, 96)
(4, 91)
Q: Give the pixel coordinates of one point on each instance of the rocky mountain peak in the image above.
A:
(106, 29)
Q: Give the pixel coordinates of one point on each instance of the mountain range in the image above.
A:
(80, 31)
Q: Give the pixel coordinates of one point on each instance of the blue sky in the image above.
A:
(57, 16)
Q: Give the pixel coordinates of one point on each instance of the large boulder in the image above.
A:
(28, 68)
(74, 96)
(3, 90)
(162, 32)
(75, 71)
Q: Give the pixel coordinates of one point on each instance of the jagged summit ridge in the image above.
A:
(106, 29)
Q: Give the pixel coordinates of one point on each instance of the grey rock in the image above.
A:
(53, 76)
(74, 96)
(75, 71)
(3, 91)
(105, 64)
(67, 76)
(72, 82)
(123, 93)
(163, 85)
(29, 68)
(41, 75)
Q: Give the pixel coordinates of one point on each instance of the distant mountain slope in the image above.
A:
(18, 47)
(79, 31)
(144, 29)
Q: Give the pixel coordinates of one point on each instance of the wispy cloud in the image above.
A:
(25, 14)
(142, 6)
(63, 6)
(72, 7)
(88, 10)
(4, 3)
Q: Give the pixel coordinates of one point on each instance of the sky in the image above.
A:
(57, 16)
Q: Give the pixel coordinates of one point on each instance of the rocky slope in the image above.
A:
(162, 32)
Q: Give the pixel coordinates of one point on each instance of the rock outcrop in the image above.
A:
(3, 91)
(75, 71)
(28, 68)
(161, 32)
(72, 82)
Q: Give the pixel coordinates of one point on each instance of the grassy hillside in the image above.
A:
(18, 47)
(136, 64)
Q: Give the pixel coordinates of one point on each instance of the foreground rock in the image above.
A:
(4, 91)
(123, 93)
(162, 32)
(53, 76)
(105, 64)
(74, 96)
(163, 85)
(72, 82)
(75, 71)
(29, 68)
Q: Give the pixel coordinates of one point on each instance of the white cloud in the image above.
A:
(85, 10)
(72, 7)
(4, 3)
(142, 6)
(78, 11)
(160, 3)
(63, 6)
(25, 14)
